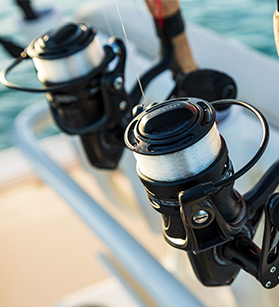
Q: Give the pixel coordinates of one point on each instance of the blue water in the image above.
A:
(248, 21)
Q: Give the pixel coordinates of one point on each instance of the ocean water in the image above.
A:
(248, 21)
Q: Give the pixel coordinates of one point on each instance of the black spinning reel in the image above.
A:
(86, 97)
(184, 165)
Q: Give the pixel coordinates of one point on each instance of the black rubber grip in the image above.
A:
(170, 26)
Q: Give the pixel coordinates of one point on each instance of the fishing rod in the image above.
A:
(170, 29)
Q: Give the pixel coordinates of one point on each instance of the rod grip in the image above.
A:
(163, 9)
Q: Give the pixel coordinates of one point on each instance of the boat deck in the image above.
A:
(46, 251)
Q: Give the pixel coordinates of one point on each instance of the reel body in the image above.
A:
(185, 168)
(92, 108)
(86, 97)
(184, 129)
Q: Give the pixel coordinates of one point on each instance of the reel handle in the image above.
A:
(263, 263)
(269, 261)
(258, 195)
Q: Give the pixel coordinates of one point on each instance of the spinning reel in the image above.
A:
(85, 96)
(184, 165)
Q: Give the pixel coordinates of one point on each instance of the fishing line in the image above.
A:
(107, 21)
(185, 163)
(130, 51)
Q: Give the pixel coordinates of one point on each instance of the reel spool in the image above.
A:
(184, 165)
(66, 53)
(86, 98)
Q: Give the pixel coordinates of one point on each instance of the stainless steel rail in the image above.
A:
(162, 286)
